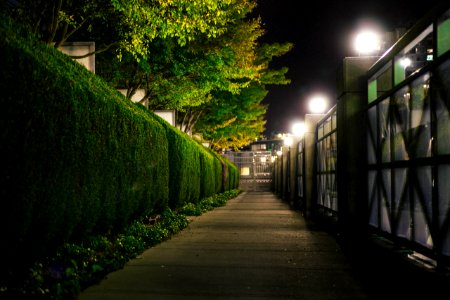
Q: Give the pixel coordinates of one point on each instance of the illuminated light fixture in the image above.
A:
(367, 42)
(298, 129)
(405, 62)
(318, 104)
(288, 141)
(279, 152)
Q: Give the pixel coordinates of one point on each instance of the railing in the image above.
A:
(409, 142)
(393, 175)
(326, 161)
(255, 168)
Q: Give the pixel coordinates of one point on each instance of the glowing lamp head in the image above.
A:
(298, 129)
(318, 104)
(367, 42)
(288, 141)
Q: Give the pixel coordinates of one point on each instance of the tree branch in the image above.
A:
(106, 48)
(54, 22)
(66, 35)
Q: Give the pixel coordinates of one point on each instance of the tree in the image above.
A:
(128, 25)
(232, 121)
(200, 57)
(184, 76)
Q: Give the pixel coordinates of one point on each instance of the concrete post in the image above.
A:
(293, 152)
(311, 121)
(351, 143)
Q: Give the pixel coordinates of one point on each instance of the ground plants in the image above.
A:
(76, 266)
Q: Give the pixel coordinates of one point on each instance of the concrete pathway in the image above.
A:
(256, 247)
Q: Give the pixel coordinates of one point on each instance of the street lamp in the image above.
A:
(298, 129)
(288, 141)
(318, 104)
(367, 42)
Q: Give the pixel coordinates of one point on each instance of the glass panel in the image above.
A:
(444, 206)
(373, 198)
(327, 126)
(416, 55)
(372, 91)
(326, 152)
(319, 156)
(380, 83)
(320, 131)
(372, 136)
(443, 33)
(400, 122)
(444, 193)
(401, 204)
(333, 119)
(441, 89)
(386, 201)
(327, 199)
(384, 80)
(384, 130)
(333, 193)
(422, 207)
(333, 153)
(321, 189)
(420, 133)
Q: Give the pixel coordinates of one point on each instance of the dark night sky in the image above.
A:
(321, 32)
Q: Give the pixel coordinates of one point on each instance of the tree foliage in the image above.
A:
(234, 120)
(131, 25)
(202, 58)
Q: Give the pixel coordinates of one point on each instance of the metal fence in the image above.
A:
(409, 143)
(255, 168)
(326, 159)
(385, 147)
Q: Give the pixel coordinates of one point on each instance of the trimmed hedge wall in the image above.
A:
(78, 158)
(195, 171)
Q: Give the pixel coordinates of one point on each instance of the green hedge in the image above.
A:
(195, 171)
(79, 159)
(76, 156)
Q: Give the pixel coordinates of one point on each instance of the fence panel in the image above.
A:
(255, 169)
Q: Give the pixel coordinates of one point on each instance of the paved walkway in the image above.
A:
(255, 247)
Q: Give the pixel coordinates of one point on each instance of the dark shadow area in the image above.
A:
(385, 271)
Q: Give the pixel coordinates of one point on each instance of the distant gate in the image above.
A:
(255, 168)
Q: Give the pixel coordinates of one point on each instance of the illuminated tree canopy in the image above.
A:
(131, 24)
(202, 58)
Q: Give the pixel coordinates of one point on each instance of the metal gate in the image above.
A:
(255, 168)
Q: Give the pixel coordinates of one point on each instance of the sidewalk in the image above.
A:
(255, 247)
